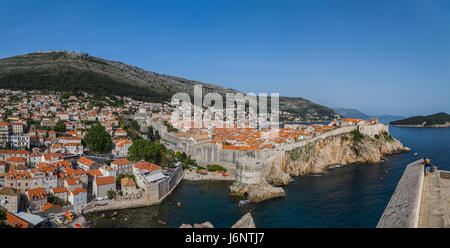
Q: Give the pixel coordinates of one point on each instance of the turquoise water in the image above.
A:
(350, 196)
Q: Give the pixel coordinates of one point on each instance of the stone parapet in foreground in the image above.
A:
(403, 208)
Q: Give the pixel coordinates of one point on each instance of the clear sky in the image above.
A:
(382, 57)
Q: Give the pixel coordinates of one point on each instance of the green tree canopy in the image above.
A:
(146, 150)
(97, 139)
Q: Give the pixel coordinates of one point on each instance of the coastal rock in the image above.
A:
(256, 192)
(275, 175)
(245, 222)
(316, 157)
(185, 226)
(206, 224)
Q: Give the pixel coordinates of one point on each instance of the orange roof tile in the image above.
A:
(105, 180)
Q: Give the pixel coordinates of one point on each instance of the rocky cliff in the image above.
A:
(315, 158)
(353, 147)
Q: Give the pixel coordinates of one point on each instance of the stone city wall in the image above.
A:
(232, 160)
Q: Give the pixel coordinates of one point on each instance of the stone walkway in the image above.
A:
(435, 202)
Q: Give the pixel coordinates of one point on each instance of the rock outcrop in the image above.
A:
(245, 222)
(256, 192)
(316, 157)
(257, 180)
(206, 224)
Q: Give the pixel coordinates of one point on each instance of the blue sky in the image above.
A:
(382, 57)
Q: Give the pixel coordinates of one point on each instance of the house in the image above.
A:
(2, 167)
(147, 173)
(78, 198)
(15, 161)
(108, 171)
(72, 183)
(51, 158)
(73, 148)
(37, 198)
(102, 185)
(120, 133)
(122, 166)
(5, 131)
(9, 199)
(20, 141)
(16, 222)
(128, 186)
(52, 134)
(48, 123)
(57, 148)
(35, 159)
(60, 193)
(5, 154)
(120, 147)
(17, 127)
(86, 164)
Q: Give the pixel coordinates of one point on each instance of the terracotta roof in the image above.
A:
(63, 163)
(8, 191)
(15, 221)
(50, 156)
(49, 205)
(94, 173)
(38, 193)
(143, 165)
(16, 159)
(76, 191)
(105, 180)
(85, 161)
(127, 182)
(14, 151)
(59, 190)
(73, 181)
(121, 161)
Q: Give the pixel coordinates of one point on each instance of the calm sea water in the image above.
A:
(350, 196)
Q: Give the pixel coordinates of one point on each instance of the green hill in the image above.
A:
(70, 71)
(430, 120)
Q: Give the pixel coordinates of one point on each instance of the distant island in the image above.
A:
(436, 120)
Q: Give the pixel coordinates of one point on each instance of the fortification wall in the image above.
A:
(210, 153)
(403, 208)
(372, 130)
(249, 171)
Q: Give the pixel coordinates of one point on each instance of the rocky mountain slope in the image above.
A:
(70, 71)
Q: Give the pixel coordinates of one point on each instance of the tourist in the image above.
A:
(426, 163)
(435, 167)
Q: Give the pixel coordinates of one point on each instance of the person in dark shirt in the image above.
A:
(426, 163)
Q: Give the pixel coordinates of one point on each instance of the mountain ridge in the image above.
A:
(65, 71)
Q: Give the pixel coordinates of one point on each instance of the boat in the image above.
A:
(243, 203)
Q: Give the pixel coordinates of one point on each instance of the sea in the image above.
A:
(349, 196)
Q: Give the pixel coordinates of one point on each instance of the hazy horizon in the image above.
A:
(379, 57)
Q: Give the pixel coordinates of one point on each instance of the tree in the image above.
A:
(146, 150)
(111, 194)
(3, 218)
(157, 137)
(60, 127)
(97, 139)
